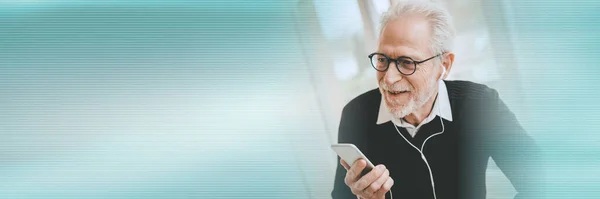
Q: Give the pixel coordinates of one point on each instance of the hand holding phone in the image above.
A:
(350, 154)
(362, 177)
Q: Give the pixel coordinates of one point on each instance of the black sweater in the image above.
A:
(482, 127)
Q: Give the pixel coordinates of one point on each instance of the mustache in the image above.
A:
(395, 86)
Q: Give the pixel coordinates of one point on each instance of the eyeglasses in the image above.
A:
(405, 65)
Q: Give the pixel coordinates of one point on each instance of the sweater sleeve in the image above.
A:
(513, 150)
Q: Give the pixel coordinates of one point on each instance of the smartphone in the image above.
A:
(350, 153)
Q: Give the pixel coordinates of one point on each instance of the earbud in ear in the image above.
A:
(443, 73)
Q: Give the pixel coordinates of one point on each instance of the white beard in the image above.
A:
(400, 110)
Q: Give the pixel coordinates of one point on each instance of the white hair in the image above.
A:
(440, 20)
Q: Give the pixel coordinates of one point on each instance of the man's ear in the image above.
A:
(447, 61)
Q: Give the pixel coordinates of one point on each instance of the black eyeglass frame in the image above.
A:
(397, 61)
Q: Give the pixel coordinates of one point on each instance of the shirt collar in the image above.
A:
(443, 111)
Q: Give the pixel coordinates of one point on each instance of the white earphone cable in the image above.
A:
(421, 150)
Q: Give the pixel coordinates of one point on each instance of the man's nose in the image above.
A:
(392, 75)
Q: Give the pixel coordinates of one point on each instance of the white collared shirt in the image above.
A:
(441, 107)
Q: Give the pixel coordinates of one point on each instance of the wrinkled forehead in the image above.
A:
(406, 36)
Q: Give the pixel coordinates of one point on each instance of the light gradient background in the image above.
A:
(216, 99)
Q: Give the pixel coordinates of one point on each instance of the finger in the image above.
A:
(370, 190)
(344, 164)
(373, 187)
(357, 167)
(354, 171)
(385, 187)
(366, 180)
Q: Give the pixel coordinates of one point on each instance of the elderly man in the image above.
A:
(429, 138)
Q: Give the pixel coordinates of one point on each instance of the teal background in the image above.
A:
(557, 52)
(139, 99)
(214, 99)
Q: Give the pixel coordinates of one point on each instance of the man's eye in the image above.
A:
(406, 62)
